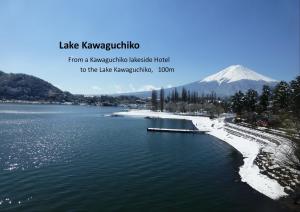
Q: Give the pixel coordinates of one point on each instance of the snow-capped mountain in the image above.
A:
(230, 80)
(235, 73)
(224, 83)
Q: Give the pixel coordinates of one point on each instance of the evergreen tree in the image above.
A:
(194, 97)
(265, 97)
(168, 99)
(184, 95)
(282, 94)
(173, 96)
(176, 95)
(162, 99)
(154, 100)
(295, 96)
(250, 102)
(202, 98)
(238, 102)
(213, 97)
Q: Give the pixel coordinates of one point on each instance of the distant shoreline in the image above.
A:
(52, 103)
(34, 102)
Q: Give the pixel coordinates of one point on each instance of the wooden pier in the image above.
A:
(176, 130)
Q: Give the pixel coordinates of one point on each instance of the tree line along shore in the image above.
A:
(274, 110)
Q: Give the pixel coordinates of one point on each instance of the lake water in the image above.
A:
(75, 158)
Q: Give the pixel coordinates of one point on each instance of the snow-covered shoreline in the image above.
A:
(249, 148)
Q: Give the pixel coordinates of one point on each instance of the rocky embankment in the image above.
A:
(285, 176)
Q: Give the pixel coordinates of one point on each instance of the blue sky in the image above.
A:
(201, 37)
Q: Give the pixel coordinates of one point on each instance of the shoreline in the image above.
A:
(250, 149)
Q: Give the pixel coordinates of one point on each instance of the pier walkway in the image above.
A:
(176, 130)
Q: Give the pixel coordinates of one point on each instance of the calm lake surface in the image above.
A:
(75, 158)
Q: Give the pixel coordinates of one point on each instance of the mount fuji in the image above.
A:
(236, 73)
(224, 83)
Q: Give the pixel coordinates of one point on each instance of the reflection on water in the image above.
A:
(66, 158)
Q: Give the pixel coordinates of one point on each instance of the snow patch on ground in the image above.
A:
(249, 172)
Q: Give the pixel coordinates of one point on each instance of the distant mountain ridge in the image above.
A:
(224, 83)
(30, 88)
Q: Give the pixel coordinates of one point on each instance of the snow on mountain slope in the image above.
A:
(224, 83)
(235, 73)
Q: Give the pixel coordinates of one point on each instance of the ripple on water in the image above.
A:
(34, 143)
(83, 161)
